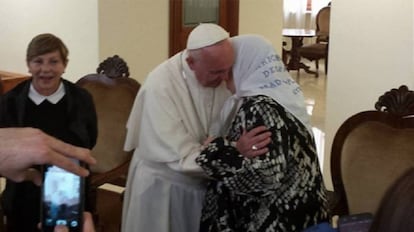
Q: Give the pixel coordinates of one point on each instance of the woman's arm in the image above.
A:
(257, 175)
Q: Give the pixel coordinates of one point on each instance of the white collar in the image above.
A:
(54, 98)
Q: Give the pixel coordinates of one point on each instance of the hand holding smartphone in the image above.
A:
(62, 199)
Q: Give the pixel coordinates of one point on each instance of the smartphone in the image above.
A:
(62, 201)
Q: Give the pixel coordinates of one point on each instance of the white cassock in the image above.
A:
(170, 119)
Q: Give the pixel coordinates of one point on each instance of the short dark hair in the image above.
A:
(46, 43)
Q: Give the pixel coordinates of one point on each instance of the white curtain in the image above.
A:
(295, 14)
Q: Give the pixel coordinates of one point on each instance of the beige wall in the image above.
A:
(265, 18)
(371, 51)
(138, 30)
(135, 30)
(74, 21)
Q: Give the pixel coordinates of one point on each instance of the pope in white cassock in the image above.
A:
(171, 118)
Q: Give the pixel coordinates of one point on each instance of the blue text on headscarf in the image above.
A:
(273, 64)
(277, 66)
(269, 59)
(276, 83)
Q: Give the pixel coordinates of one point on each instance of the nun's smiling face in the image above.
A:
(46, 70)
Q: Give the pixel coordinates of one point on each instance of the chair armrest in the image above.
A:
(333, 199)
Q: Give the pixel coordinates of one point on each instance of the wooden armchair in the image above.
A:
(319, 49)
(370, 150)
(113, 93)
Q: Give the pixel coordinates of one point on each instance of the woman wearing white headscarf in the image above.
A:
(282, 190)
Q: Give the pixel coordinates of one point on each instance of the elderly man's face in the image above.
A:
(213, 64)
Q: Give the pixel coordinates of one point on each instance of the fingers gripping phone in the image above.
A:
(62, 200)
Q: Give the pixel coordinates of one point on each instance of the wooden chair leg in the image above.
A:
(285, 54)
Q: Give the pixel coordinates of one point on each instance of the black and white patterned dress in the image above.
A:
(282, 190)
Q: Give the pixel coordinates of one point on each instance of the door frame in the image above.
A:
(228, 19)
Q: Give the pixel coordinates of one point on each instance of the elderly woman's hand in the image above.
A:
(254, 142)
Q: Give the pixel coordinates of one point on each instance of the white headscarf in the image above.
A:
(258, 70)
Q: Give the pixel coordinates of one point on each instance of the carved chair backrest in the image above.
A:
(370, 150)
(322, 24)
(113, 100)
(113, 67)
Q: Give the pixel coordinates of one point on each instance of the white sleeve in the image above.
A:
(162, 131)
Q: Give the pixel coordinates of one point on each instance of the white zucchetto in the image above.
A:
(206, 34)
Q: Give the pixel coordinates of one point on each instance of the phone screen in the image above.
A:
(62, 199)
